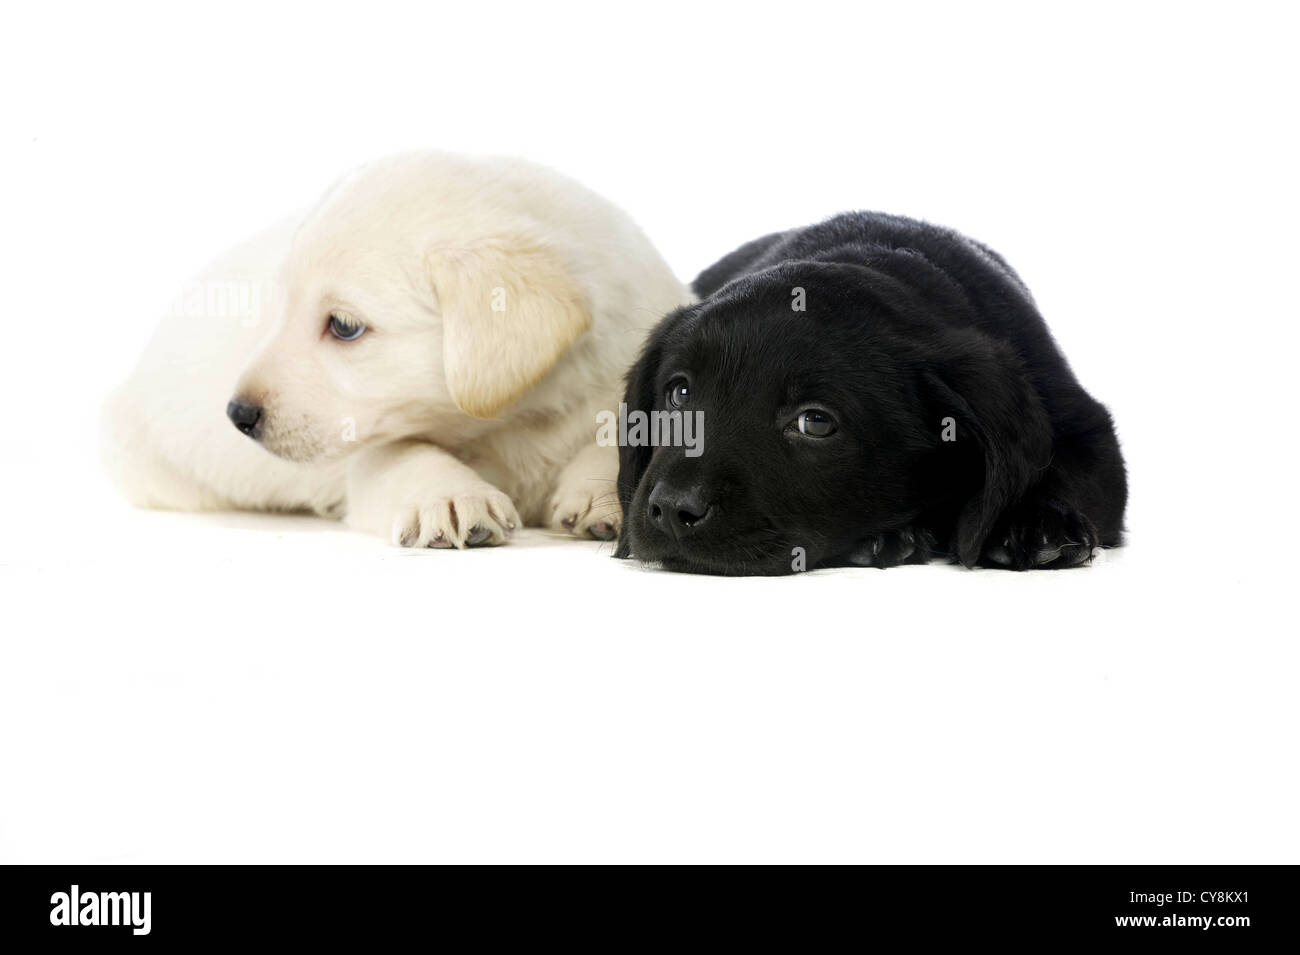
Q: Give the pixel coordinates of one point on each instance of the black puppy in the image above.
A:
(872, 390)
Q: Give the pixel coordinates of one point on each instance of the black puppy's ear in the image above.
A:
(641, 395)
(980, 394)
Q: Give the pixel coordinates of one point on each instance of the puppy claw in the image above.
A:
(1045, 555)
(1000, 555)
(477, 536)
(908, 545)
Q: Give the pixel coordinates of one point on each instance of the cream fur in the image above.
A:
(503, 303)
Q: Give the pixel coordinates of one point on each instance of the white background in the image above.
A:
(248, 688)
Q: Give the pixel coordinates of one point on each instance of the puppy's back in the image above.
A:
(969, 282)
(744, 260)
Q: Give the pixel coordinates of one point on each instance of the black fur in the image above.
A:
(961, 430)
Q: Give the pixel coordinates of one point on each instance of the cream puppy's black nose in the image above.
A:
(245, 417)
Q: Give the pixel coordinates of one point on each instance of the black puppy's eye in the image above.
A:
(344, 327)
(679, 392)
(816, 424)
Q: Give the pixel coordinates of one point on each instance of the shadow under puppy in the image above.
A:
(871, 390)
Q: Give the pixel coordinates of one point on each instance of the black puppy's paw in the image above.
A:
(909, 545)
(1046, 534)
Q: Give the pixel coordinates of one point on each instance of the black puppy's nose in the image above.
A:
(678, 513)
(244, 416)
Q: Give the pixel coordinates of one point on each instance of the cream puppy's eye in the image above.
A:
(816, 423)
(344, 327)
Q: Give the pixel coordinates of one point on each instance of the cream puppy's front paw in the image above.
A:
(585, 502)
(420, 496)
(586, 512)
(474, 517)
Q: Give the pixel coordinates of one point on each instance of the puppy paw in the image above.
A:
(909, 545)
(1046, 534)
(475, 517)
(585, 502)
(587, 511)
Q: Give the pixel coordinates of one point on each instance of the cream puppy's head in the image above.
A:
(422, 295)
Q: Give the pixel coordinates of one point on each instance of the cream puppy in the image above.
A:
(424, 354)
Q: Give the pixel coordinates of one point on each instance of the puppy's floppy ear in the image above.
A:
(510, 309)
(983, 386)
(641, 395)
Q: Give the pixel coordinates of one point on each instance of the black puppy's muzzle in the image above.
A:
(679, 514)
(246, 417)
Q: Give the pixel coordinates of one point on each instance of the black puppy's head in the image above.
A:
(797, 412)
